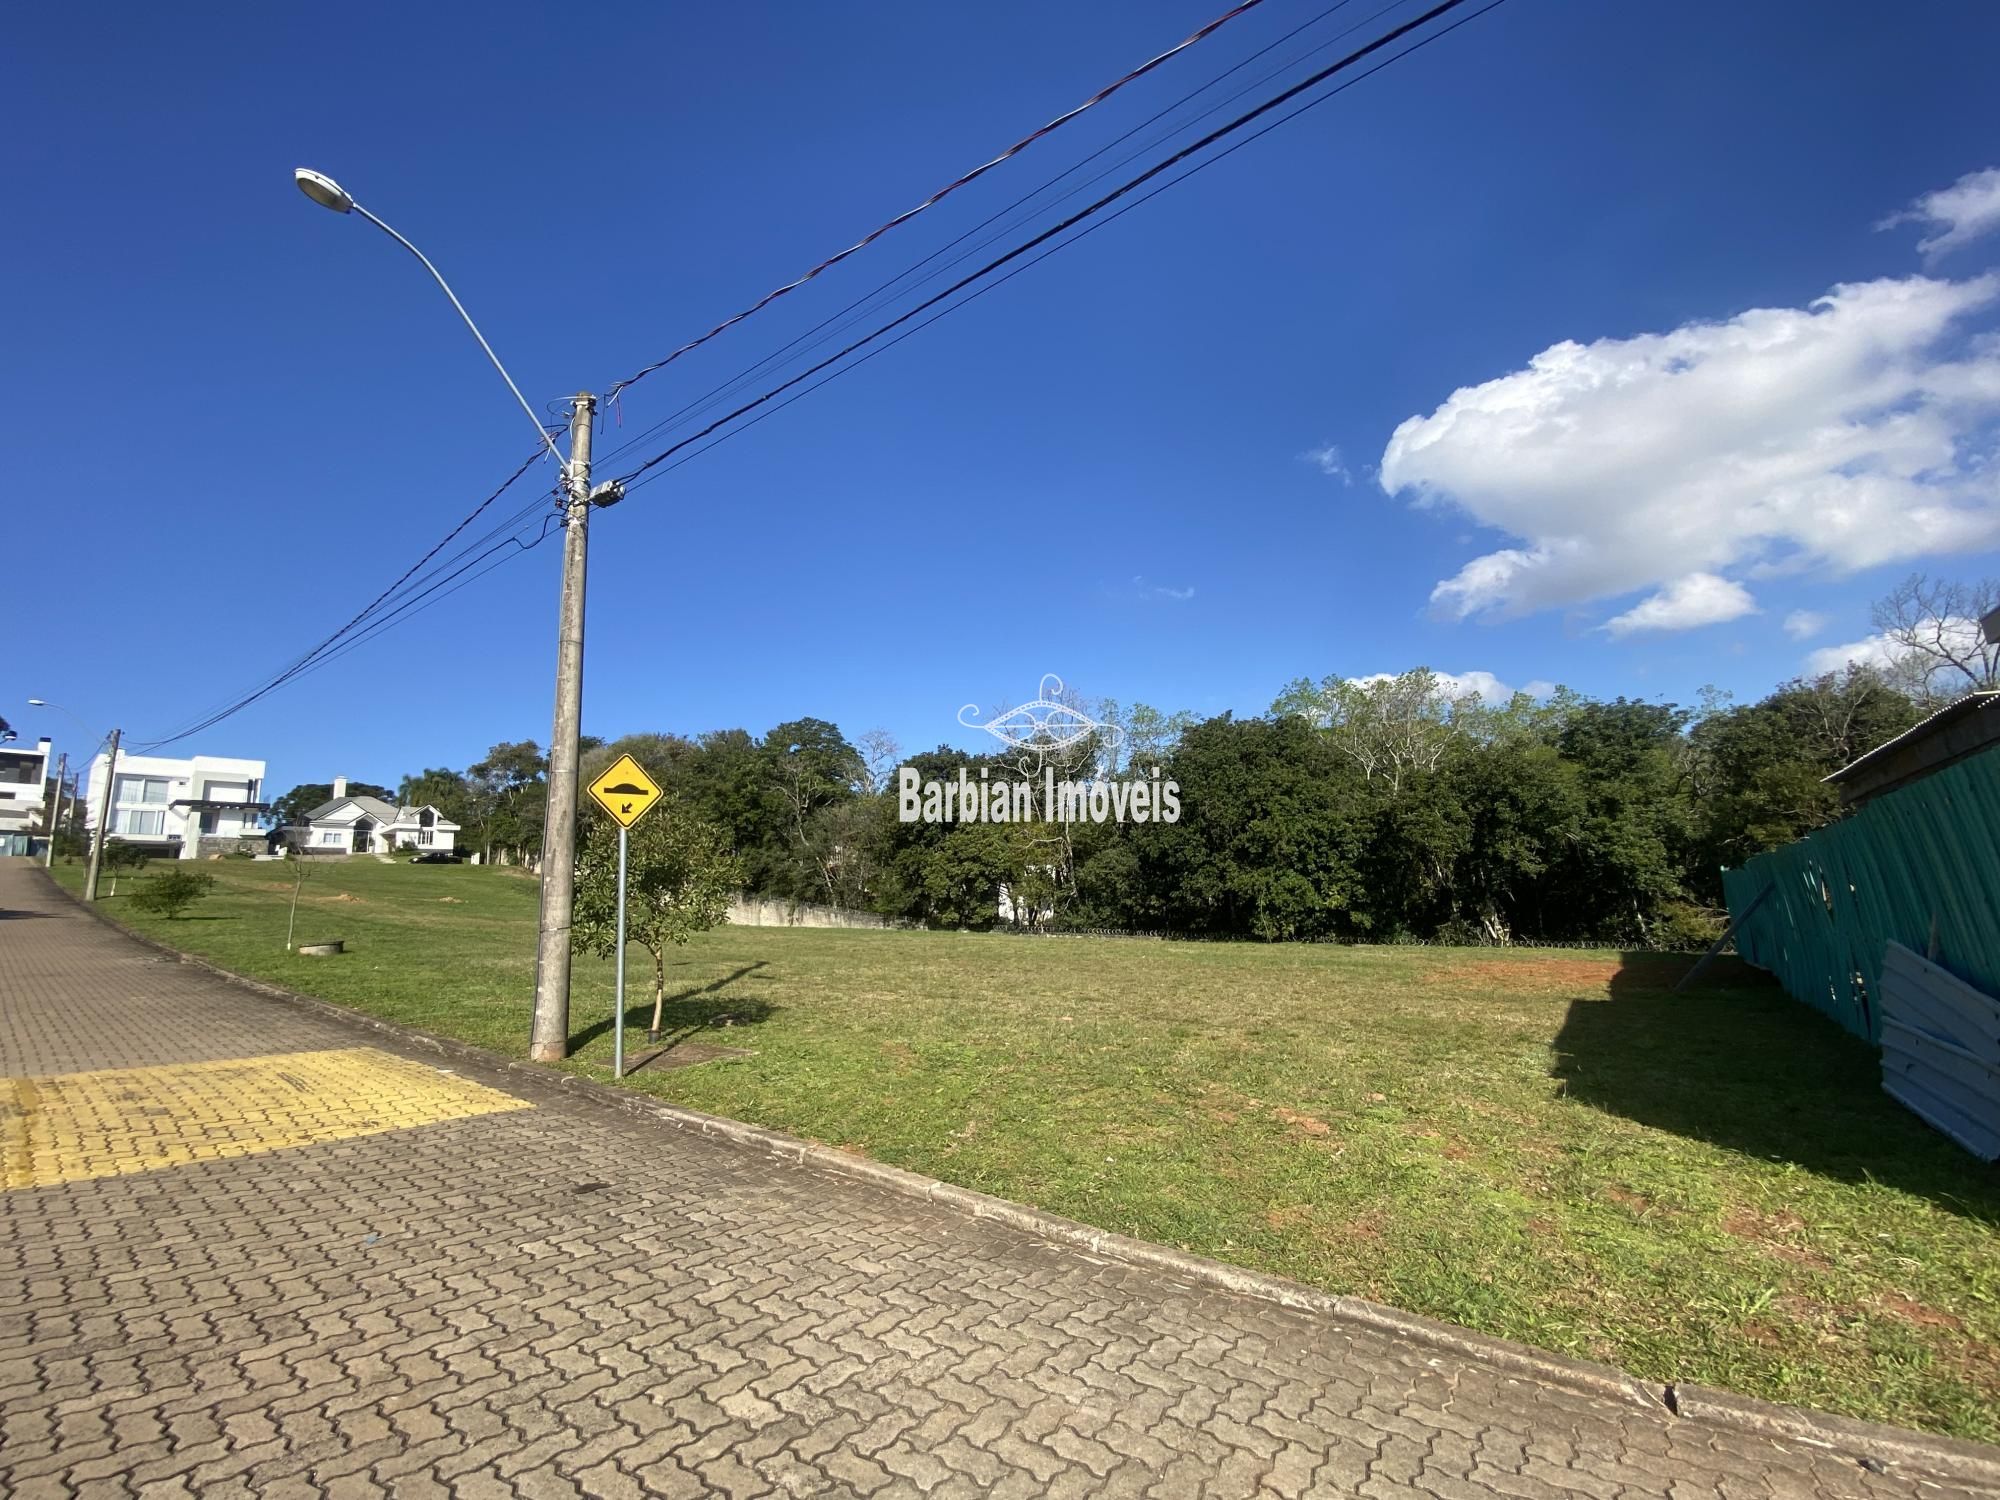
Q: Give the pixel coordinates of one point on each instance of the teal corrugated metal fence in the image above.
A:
(1930, 849)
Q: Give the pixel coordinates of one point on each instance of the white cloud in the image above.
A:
(1328, 461)
(1876, 651)
(1697, 599)
(1831, 437)
(1957, 215)
(1804, 624)
(1162, 591)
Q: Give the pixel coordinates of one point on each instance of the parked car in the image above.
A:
(436, 857)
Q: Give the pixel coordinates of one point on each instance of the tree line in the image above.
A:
(1376, 810)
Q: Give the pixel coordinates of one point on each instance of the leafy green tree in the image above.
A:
(963, 873)
(809, 767)
(507, 793)
(1150, 735)
(1524, 807)
(1273, 824)
(1759, 768)
(172, 892)
(679, 876)
(438, 787)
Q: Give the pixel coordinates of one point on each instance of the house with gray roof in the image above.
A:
(368, 825)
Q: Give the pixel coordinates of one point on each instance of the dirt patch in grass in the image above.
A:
(1779, 1234)
(1625, 1197)
(1522, 972)
(1225, 1106)
(1363, 1228)
(1306, 1124)
(347, 896)
(1288, 1217)
(1918, 1313)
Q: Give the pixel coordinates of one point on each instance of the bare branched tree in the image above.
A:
(879, 755)
(1391, 727)
(1932, 624)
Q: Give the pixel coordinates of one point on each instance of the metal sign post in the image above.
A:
(618, 1015)
(627, 793)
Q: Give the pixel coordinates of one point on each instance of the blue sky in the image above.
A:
(246, 416)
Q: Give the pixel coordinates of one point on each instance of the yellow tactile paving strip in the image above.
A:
(76, 1126)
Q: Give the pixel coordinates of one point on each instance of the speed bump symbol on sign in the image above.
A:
(626, 791)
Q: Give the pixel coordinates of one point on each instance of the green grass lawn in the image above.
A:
(1546, 1146)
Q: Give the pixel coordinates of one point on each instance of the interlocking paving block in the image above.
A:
(74, 1127)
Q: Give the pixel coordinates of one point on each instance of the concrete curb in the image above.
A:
(1948, 1458)
(1942, 1457)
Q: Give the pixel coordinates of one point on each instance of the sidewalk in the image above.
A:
(247, 1249)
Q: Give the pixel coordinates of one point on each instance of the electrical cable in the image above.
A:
(379, 626)
(842, 320)
(949, 188)
(301, 664)
(1037, 260)
(1387, 38)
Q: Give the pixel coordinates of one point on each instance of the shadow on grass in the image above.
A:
(686, 1011)
(1734, 1061)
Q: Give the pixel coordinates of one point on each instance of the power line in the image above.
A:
(305, 662)
(389, 620)
(949, 188)
(1387, 38)
(1065, 244)
(842, 320)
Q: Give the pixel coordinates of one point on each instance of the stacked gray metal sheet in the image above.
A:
(1941, 1049)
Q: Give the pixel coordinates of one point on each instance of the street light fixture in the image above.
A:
(327, 193)
(323, 190)
(550, 1041)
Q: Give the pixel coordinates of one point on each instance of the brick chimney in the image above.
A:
(339, 787)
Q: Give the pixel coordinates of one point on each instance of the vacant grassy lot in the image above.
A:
(1542, 1145)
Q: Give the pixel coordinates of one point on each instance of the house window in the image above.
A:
(331, 836)
(424, 836)
(144, 789)
(139, 824)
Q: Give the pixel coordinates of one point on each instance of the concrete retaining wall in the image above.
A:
(746, 910)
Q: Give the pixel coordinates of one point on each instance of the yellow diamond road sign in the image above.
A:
(626, 791)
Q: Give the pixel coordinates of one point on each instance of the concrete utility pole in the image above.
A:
(103, 820)
(55, 822)
(551, 1031)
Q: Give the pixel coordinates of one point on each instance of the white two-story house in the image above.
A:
(207, 804)
(24, 795)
